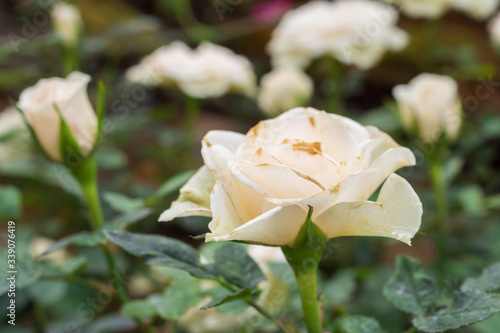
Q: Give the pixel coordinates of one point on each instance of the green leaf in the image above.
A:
(10, 202)
(243, 294)
(359, 324)
(162, 251)
(489, 280)
(124, 220)
(28, 271)
(472, 199)
(236, 266)
(82, 238)
(174, 183)
(467, 309)
(140, 309)
(179, 298)
(110, 158)
(410, 289)
(489, 325)
(122, 203)
(340, 288)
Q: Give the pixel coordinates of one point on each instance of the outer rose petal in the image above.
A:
(403, 207)
(194, 199)
(278, 227)
(225, 218)
(227, 139)
(397, 214)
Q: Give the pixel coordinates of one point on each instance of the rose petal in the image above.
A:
(225, 217)
(403, 207)
(227, 139)
(362, 218)
(279, 180)
(278, 226)
(194, 199)
(397, 214)
(249, 203)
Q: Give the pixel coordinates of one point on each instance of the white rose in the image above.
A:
(70, 95)
(67, 23)
(357, 32)
(157, 68)
(265, 181)
(210, 71)
(283, 89)
(430, 9)
(431, 102)
(494, 29)
(478, 9)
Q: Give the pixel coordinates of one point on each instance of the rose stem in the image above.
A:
(439, 187)
(86, 174)
(334, 99)
(305, 263)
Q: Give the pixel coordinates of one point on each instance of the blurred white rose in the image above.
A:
(357, 32)
(430, 9)
(430, 103)
(70, 95)
(478, 9)
(283, 89)
(494, 30)
(40, 244)
(209, 71)
(67, 22)
(265, 181)
(272, 298)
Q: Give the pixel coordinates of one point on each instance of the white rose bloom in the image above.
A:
(494, 30)
(67, 22)
(283, 89)
(70, 95)
(157, 68)
(209, 71)
(478, 9)
(430, 9)
(265, 181)
(431, 102)
(357, 32)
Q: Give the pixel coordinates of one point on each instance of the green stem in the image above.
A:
(305, 262)
(435, 167)
(334, 101)
(86, 174)
(192, 115)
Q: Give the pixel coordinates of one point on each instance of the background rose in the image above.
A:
(209, 71)
(430, 104)
(265, 181)
(70, 96)
(357, 32)
(283, 89)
